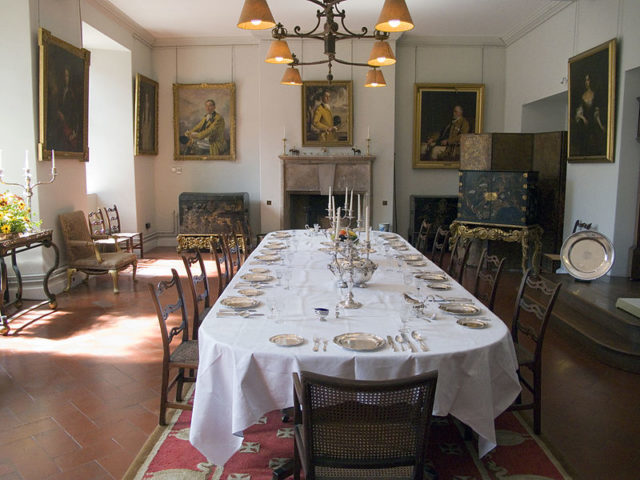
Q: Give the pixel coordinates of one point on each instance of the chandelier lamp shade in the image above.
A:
(394, 17)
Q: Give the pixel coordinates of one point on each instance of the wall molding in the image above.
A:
(138, 31)
(542, 15)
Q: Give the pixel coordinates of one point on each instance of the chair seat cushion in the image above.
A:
(525, 357)
(126, 234)
(186, 353)
(397, 473)
(110, 261)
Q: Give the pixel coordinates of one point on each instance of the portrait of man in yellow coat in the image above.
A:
(207, 136)
(323, 119)
(327, 113)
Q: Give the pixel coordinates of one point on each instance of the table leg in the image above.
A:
(3, 297)
(525, 250)
(53, 303)
(16, 271)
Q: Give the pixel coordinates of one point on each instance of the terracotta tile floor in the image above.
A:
(79, 388)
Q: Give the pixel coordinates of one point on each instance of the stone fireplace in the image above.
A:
(306, 177)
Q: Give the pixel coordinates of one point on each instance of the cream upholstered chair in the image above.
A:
(84, 256)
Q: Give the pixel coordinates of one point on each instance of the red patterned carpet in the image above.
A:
(269, 444)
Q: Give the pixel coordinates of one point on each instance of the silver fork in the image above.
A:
(401, 341)
(324, 345)
(316, 344)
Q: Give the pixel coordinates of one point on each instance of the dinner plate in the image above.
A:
(275, 247)
(250, 292)
(419, 263)
(460, 308)
(472, 323)
(439, 286)
(260, 270)
(257, 277)
(359, 342)
(287, 340)
(281, 234)
(587, 255)
(402, 248)
(269, 257)
(388, 235)
(432, 276)
(412, 258)
(239, 303)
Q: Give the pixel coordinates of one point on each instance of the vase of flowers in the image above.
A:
(15, 216)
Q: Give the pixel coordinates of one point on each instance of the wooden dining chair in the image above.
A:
(423, 236)
(535, 298)
(115, 228)
(100, 234)
(228, 245)
(440, 245)
(488, 272)
(199, 287)
(220, 259)
(184, 355)
(458, 258)
(361, 429)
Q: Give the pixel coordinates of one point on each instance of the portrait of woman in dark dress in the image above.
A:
(590, 128)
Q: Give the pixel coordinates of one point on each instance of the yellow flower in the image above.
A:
(5, 228)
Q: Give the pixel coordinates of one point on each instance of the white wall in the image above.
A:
(110, 173)
(280, 107)
(602, 193)
(207, 64)
(439, 64)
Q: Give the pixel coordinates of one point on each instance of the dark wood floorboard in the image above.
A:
(79, 387)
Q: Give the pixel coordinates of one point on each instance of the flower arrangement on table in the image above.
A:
(347, 235)
(15, 215)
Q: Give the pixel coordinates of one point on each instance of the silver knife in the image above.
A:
(406, 339)
(391, 342)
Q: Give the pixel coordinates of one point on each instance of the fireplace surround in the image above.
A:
(308, 175)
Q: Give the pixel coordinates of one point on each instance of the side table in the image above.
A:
(10, 247)
(526, 235)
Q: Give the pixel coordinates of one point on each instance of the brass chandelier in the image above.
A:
(394, 17)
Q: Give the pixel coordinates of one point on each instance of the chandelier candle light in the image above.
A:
(394, 17)
(28, 187)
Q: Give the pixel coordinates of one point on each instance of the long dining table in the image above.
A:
(242, 374)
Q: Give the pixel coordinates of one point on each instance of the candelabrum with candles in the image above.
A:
(28, 187)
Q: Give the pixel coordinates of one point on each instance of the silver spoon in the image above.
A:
(401, 341)
(416, 336)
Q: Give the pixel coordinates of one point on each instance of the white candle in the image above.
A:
(284, 132)
(366, 221)
(337, 222)
(26, 159)
(368, 132)
(53, 160)
(351, 203)
(358, 208)
(346, 198)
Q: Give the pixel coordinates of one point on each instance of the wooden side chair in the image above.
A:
(423, 236)
(536, 296)
(458, 259)
(85, 256)
(184, 356)
(487, 277)
(361, 429)
(440, 244)
(199, 287)
(114, 228)
(230, 265)
(100, 234)
(220, 259)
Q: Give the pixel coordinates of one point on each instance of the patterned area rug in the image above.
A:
(269, 444)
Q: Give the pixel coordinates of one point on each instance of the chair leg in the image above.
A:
(135, 269)
(114, 277)
(179, 385)
(296, 461)
(537, 405)
(163, 395)
(70, 272)
(141, 246)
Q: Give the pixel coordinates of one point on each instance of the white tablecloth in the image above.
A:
(242, 375)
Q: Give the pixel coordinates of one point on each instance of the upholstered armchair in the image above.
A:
(84, 256)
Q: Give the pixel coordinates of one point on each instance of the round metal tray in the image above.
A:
(587, 255)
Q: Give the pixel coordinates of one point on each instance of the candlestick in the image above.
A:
(284, 145)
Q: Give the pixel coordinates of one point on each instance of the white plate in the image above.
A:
(419, 263)
(257, 277)
(388, 235)
(412, 258)
(250, 292)
(587, 255)
(239, 303)
(269, 257)
(281, 234)
(432, 276)
(460, 308)
(359, 342)
(472, 323)
(275, 247)
(439, 286)
(260, 270)
(287, 340)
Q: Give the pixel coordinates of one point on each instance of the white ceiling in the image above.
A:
(474, 21)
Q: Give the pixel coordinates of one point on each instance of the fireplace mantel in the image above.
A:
(314, 174)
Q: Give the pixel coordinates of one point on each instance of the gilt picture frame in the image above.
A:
(146, 117)
(327, 114)
(592, 95)
(63, 100)
(442, 113)
(204, 121)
